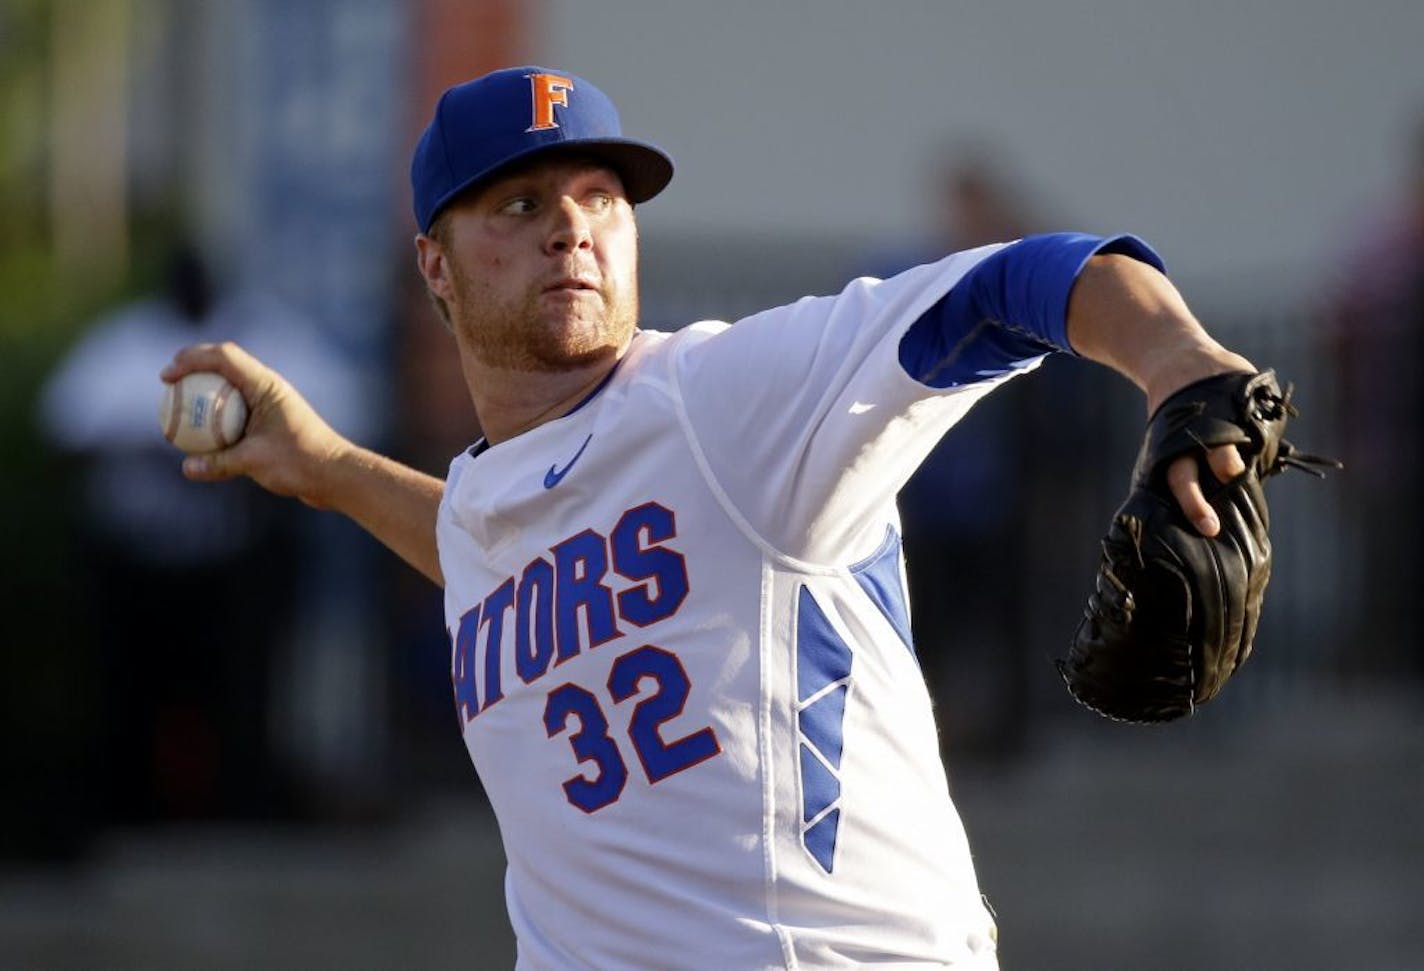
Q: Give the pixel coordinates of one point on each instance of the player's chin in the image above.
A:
(579, 338)
(574, 356)
(575, 351)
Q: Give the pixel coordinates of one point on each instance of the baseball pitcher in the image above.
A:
(680, 647)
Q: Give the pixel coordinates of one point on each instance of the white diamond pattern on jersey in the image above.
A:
(823, 663)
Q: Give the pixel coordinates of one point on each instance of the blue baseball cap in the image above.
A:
(484, 125)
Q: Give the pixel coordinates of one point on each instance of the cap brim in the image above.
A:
(644, 168)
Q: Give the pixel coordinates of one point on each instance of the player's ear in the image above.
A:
(434, 267)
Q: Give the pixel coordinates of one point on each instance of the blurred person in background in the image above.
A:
(184, 720)
(967, 608)
(1377, 309)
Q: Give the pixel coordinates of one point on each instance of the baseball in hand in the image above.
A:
(202, 412)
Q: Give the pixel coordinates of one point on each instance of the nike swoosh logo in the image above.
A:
(555, 475)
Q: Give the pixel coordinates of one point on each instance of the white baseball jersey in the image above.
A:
(682, 655)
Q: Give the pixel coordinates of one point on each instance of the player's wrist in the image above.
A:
(335, 468)
(1173, 368)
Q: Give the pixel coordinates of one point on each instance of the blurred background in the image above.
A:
(226, 737)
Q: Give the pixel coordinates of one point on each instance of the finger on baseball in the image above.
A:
(1226, 462)
(227, 359)
(211, 466)
(190, 358)
(1186, 487)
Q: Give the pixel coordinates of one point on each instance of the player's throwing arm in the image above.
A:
(288, 449)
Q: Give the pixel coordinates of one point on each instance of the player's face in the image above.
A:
(543, 267)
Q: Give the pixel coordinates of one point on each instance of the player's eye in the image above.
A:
(519, 206)
(598, 201)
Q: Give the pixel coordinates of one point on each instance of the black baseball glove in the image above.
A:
(1174, 612)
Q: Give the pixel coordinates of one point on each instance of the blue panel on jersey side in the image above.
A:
(819, 786)
(821, 839)
(821, 722)
(879, 577)
(821, 656)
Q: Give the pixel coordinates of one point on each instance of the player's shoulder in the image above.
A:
(703, 329)
(655, 342)
(644, 362)
(655, 355)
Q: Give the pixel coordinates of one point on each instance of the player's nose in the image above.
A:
(570, 229)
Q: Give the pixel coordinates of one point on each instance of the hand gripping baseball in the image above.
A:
(287, 448)
(1173, 612)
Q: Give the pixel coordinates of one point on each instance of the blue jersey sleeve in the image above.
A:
(1008, 311)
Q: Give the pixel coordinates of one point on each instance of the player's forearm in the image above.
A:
(394, 503)
(1128, 316)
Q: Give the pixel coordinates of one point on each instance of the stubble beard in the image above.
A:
(531, 336)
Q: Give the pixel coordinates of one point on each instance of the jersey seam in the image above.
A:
(864, 563)
(729, 508)
(768, 795)
(918, 306)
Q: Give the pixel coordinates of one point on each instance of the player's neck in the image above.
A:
(510, 403)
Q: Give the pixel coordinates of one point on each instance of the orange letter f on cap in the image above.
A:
(548, 90)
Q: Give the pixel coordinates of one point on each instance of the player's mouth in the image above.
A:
(570, 285)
